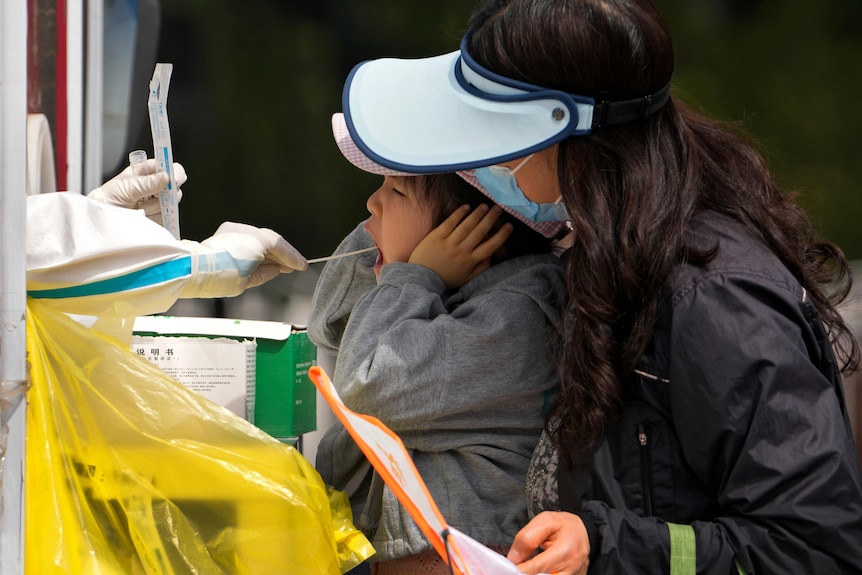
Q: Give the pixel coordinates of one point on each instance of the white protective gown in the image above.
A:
(83, 255)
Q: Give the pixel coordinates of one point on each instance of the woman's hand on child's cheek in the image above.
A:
(563, 541)
(460, 248)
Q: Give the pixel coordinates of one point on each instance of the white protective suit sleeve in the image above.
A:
(84, 255)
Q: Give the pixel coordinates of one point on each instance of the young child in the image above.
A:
(436, 335)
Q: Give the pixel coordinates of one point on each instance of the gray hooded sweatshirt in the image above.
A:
(463, 376)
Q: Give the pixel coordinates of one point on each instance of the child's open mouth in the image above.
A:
(378, 263)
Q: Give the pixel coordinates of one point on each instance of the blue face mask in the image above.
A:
(500, 183)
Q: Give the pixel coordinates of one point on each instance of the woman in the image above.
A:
(701, 422)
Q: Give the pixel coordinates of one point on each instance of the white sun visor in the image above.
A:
(449, 113)
(444, 114)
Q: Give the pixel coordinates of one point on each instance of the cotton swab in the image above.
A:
(344, 255)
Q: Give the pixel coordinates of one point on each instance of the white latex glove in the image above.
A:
(237, 257)
(131, 191)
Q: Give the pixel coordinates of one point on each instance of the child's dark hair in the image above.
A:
(444, 193)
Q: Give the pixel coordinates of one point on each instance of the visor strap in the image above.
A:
(620, 112)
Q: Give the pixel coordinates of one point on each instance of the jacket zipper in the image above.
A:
(646, 478)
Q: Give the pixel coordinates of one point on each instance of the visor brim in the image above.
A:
(418, 116)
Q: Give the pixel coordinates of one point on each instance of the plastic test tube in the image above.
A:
(136, 159)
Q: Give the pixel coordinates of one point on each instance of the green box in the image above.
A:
(285, 402)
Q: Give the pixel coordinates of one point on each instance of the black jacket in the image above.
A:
(735, 423)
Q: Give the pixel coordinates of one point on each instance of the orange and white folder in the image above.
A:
(387, 454)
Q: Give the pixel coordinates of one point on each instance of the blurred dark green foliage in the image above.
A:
(255, 83)
(789, 72)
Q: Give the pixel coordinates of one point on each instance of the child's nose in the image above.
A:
(373, 203)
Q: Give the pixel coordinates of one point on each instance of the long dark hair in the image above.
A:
(632, 189)
(444, 193)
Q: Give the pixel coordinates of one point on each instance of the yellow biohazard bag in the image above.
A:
(129, 472)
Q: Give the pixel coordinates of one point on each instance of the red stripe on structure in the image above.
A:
(62, 111)
(34, 95)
